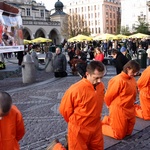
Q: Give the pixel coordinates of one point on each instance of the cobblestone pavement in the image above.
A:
(39, 103)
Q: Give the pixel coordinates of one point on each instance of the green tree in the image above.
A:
(125, 30)
(141, 26)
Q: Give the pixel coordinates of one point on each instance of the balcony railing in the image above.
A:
(39, 22)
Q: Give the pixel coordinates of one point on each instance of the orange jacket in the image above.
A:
(82, 104)
(11, 130)
(121, 93)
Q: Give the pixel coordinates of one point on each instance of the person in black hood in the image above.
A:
(119, 60)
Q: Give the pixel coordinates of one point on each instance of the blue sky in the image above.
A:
(50, 3)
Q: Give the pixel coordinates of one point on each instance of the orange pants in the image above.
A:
(142, 113)
(117, 127)
(82, 138)
(58, 146)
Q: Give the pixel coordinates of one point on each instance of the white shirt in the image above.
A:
(148, 52)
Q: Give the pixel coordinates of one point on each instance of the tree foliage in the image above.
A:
(141, 26)
(125, 30)
(75, 25)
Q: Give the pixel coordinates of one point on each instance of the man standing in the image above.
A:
(11, 124)
(81, 107)
(60, 64)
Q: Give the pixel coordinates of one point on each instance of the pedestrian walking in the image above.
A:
(143, 83)
(12, 127)
(60, 64)
(119, 98)
(81, 107)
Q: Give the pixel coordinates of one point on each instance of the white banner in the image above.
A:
(11, 35)
(6, 49)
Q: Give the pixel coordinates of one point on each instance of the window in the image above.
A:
(110, 22)
(99, 30)
(42, 13)
(28, 12)
(95, 30)
(110, 15)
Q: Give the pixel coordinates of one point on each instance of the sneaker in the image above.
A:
(52, 144)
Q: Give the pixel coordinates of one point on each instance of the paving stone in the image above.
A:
(39, 103)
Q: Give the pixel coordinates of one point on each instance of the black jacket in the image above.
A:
(119, 62)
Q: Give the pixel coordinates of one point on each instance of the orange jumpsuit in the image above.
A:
(11, 130)
(120, 97)
(143, 111)
(81, 107)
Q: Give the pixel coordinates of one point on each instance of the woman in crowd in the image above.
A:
(98, 55)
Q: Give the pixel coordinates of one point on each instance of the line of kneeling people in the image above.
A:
(81, 107)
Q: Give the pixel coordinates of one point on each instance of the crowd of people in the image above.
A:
(82, 103)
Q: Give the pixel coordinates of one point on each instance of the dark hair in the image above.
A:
(5, 102)
(114, 51)
(132, 64)
(95, 65)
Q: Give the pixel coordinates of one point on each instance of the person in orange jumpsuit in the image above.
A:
(119, 98)
(143, 83)
(81, 107)
(11, 124)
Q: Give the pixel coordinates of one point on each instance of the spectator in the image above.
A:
(79, 63)
(60, 64)
(119, 60)
(143, 83)
(81, 107)
(148, 54)
(12, 125)
(99, 56)
(71, 54)
(124, 51)
(120, 102)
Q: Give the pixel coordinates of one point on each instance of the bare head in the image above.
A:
(114, 53)
(58, 50)
(95, 72)
(5, 103)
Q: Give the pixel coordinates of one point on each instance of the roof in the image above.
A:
(58, 13)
